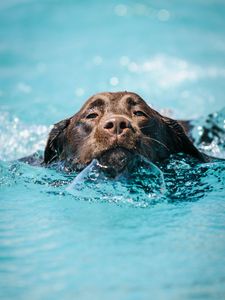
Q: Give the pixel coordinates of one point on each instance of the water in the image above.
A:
(129, 238)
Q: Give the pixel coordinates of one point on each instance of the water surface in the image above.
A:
(115, 240)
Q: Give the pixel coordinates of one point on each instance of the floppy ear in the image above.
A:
(181, 140)
(54, 146)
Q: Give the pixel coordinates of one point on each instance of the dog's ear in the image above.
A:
(181, 140)
(54, 146)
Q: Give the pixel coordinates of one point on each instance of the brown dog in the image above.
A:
(115, 128)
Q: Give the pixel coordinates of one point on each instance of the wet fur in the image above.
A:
(77, 140)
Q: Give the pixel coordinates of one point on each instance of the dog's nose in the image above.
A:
(116, 125)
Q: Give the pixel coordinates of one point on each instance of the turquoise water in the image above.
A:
(110, 239)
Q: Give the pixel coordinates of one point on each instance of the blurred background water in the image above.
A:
(53, 56)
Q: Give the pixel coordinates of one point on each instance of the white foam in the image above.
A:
(18, 139)
(169, 71)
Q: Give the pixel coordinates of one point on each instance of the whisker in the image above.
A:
(147, 137)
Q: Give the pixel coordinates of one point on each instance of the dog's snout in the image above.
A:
(116, 125)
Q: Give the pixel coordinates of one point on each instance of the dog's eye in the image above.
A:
(92, 116)
(139, 113)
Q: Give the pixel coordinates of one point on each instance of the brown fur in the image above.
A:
(114, 128)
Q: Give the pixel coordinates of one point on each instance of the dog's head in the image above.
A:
(115, 128)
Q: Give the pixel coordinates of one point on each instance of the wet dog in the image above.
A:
(115, 128)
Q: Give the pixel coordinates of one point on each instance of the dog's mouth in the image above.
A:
(116, 160)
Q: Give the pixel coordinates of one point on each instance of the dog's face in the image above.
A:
(115, 128)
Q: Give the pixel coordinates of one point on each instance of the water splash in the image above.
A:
(209, 134)
(18, 139)
(140, 188)
(180, 178)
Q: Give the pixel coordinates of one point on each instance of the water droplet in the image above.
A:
(163, 15)
(97, 60)
(114, 81)
(121, 10)
(133, 67)
(140, 9)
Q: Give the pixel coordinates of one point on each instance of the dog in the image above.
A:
(115, 128)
